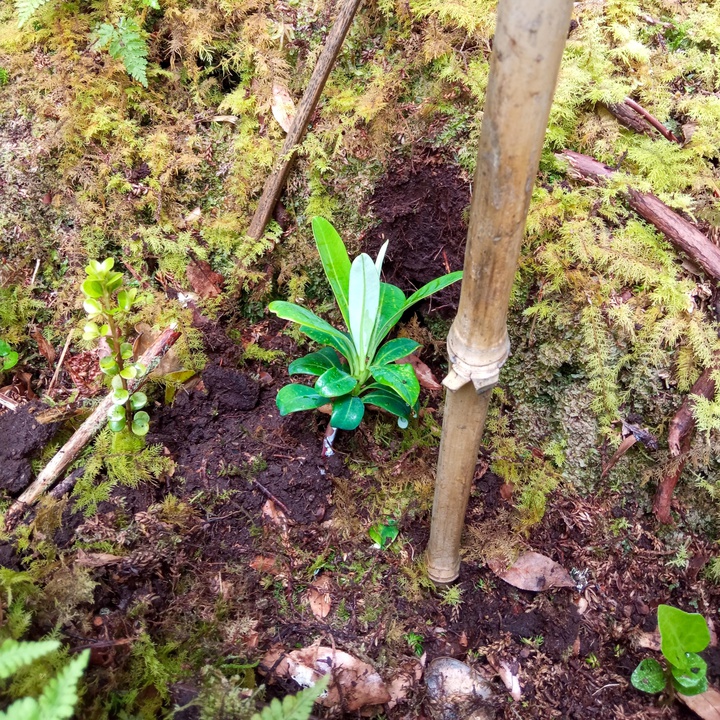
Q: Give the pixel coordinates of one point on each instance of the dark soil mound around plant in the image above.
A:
(421, 207)
(21, 437)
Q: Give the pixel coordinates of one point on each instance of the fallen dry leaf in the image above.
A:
(649, 640)
(424, 373)
(318, 596)
(533, 571)
(193, 216)
(283, 106)
(146, 337)
(96, 560)
(45, 348)
(354, 684)
(274, 515)
(204, 280)
(508, 673)
(266, 564)
(232, 119)
(706, 705)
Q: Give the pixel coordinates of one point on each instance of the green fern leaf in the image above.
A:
(14, 655)
(59, 697)
(294, 707)
(26, 9)
(125, 42)
(24, 709)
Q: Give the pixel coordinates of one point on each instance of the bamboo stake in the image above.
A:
(274, 184)
(527, 49)
(150, 359)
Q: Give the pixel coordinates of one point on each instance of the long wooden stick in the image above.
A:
(68, 452)
(681, 233)
(274, 184)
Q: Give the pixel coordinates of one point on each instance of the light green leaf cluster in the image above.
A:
(25, 9)
(125, 41)
(294, 707)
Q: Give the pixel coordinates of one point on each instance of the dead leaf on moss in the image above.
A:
(283, 106)
(318, 596)
(204, 280)
(45, 348)
(267, 564)
(706, 705)
(96, 560)
(354, 683)
(424, 373)
(275, 516)
(146, 337)
(533, 571)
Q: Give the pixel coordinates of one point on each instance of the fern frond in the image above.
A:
(125, 42)
(24, 709)
(14, 655)
(59, 697)
(294, 707)
(25, 9)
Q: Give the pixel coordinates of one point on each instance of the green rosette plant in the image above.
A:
(354, 370)
(682, 636)
(106, 301)
(8, 356)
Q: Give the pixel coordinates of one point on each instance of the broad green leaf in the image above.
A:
(125, 299)
(347, 350)
(394, 350)
(307, 319)
(91, 331)
(681, 633)
(117, 425)
(59, 696)
(347, 413)
(107, 265)
(387, 400)
(138, 400)
(116, 414)
(114, 281)
(116, 382)
(92, 307)
(4, 348)
(10, 360)
(126, 351)
(383, 534)
(336, 263)
(401, 378)
(294, 397)
(691, 680)
(128, 372)
(392, 302)
(315, 363)
(108, 365)
(364, 303)
(15, 655)
(649, 676)
(141, 423)
(334, 383)
(92, 288)
(120, 396)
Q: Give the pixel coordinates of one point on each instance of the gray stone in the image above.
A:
(457, 692)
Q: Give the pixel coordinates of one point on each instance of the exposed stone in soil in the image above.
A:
(421, 208)
(22, 438)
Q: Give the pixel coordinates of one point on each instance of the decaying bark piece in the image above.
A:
(681, 233)
(679, 437)
(68, 452)
(628, 118)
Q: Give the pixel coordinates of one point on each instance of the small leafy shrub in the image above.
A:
(59, 696)
(682, 636)
(371, 309)
(8, 357)
(107, 301)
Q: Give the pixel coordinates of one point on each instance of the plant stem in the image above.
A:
(116, 339)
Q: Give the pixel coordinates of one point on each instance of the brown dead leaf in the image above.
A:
(354, 684)
(266, 564)
(405, 680)
(274, 515)
(424, 373)
(706, 705)
(146, 337)
(232, 119)
(96, 560)
(318, 596)
(508, 672)
(204, 280)
(45, 348)
(533, 571)
(283, 106)
(506, 491)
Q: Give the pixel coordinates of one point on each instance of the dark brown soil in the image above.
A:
(21, 438)
(421, 208)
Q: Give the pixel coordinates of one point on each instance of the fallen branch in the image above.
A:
(640, 110)
(628, 118)
(680, 232)
(680, 434)
(150, 359)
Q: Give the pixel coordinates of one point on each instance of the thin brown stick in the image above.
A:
(276, 181)
(272, 497)
(56, 374)
(680, 232)
(150, 359)
(683, 423)
(651, 119)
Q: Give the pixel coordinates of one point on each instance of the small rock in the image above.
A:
(457, 692)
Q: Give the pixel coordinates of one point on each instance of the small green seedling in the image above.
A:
(106, 301)
(682, 636)
(8, 357)
(352, 369)
(383, 535)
